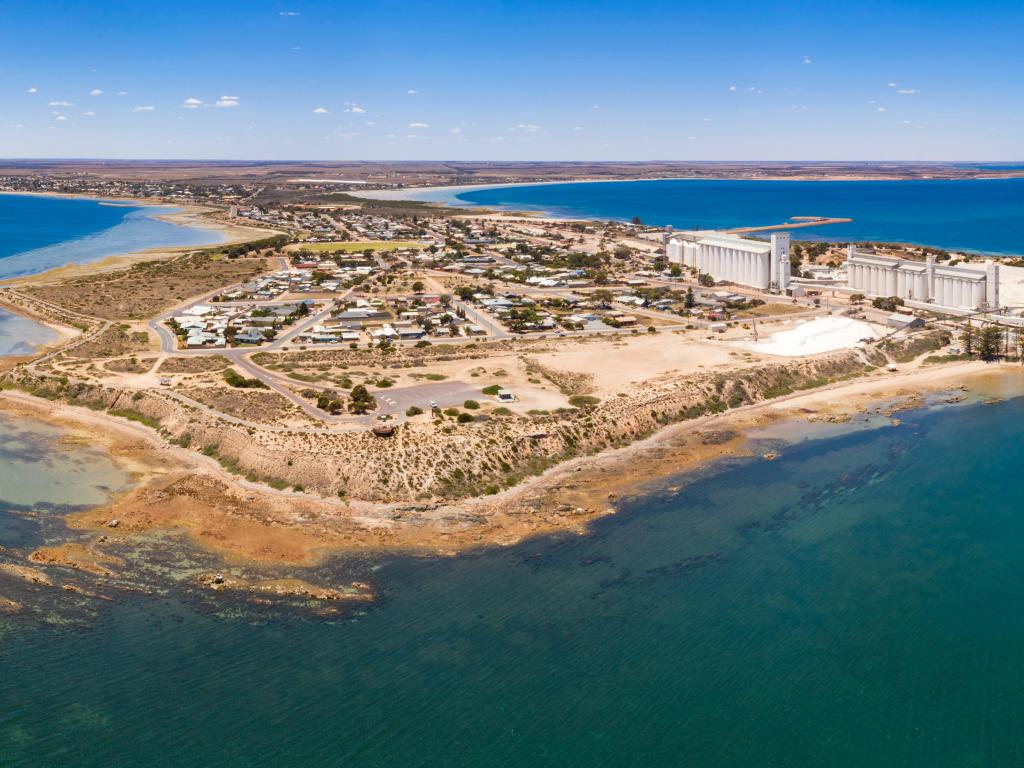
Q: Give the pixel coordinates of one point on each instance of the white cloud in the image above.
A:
(95, 92)
(892, 85)
(906, 122)
(419, 125)
(227, 101)
(883, 109)
(122, 93)
(354, 108)
(707, 119)
(577, 127)
(907, 91)
(61, 104)
(691, 138)
(192, 103)
(88, 114)
(525, 127)
(807, 60)
(412, 136)
(412, 91)
(33, 89)
(370, 123)
(143, 109)
(456, 130)
(61, 117)
(288, 13)
(321, 111)
(732, 87)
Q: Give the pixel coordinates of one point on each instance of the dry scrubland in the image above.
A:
(430, 459)
(148, 287)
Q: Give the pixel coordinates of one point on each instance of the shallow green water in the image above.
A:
(854, 603)
(39, 466)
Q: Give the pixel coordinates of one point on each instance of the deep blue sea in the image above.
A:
(39, 232)
(856, 602)
(983, 215)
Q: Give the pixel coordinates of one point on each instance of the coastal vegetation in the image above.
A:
(147, 287)
(430, 462)
(235, 379)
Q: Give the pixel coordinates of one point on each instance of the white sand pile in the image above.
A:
(824, 334)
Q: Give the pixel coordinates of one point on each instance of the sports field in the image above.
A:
(353, 246)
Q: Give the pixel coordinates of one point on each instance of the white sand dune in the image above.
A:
(825, 334)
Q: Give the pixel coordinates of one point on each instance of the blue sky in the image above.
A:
(553, 80)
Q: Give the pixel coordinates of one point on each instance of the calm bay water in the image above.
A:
(984, 215)
(855, 602)
(39, 232)
(20, 335)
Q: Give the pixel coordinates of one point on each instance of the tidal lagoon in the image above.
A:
(40, 232)
(21, 336)
(853, 602)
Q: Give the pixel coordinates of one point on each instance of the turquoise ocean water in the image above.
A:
(985, 215)
(854, 602)
(38, 232)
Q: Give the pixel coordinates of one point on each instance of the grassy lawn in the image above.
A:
(357, 246)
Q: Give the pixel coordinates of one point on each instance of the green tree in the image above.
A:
(990, 342)
(888, 303)
(361, 400)
(967, 338)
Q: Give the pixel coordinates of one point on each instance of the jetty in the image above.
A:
(796, 222)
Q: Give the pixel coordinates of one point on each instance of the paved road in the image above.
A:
(396, 401)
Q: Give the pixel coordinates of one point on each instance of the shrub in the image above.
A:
(471, 405)
(491, 390)
(887, 303)
(413, 410)
(583, 401)
(235, 379)
(361, 400)
(464, 418)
